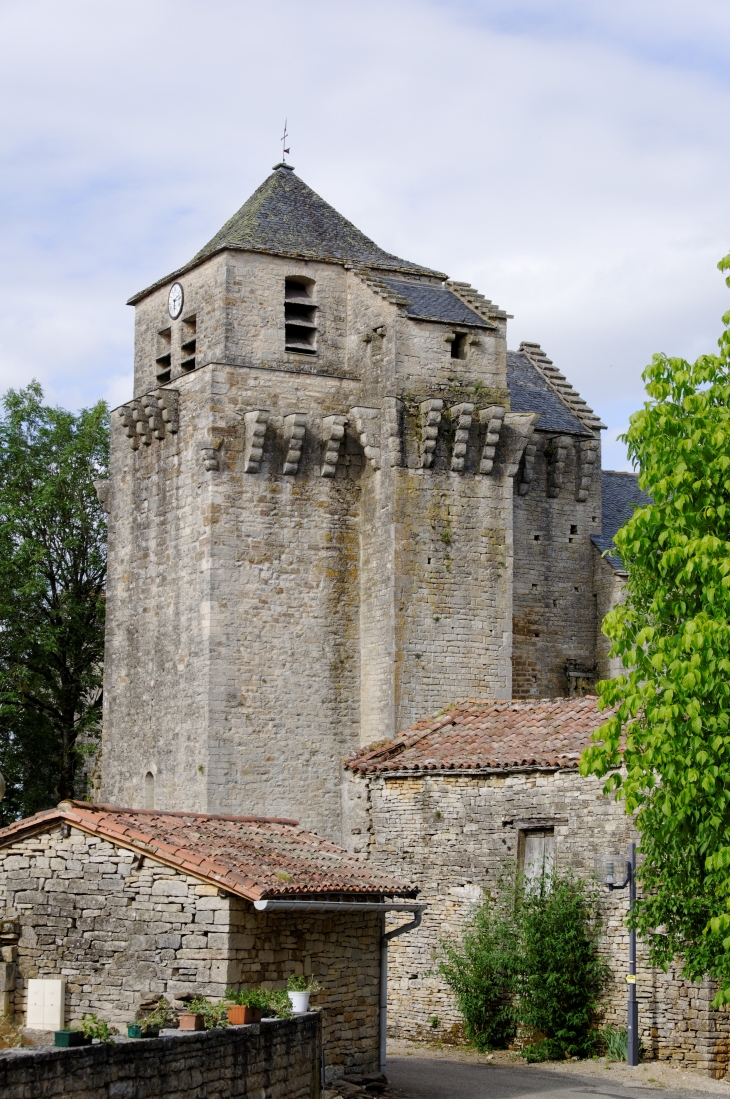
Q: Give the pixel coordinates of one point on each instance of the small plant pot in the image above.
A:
(242, 1015)
(68, 1038)
(299, 1002)
(188, 1021)
(136, 1030)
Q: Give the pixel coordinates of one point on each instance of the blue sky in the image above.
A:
(569, 159)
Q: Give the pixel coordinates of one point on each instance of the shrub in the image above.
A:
(214, 1015)
(163, 1015)
(617, 1042)
(94, 1027)
(482, 969)
(529, 957)
(560, 976)
(299, 984)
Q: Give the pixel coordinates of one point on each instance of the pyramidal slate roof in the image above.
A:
(285, 217)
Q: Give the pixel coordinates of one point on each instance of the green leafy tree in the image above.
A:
(52, 575)
(666, 746)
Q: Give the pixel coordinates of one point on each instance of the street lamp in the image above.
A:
(616, 872)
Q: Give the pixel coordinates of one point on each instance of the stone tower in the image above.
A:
(314, 498)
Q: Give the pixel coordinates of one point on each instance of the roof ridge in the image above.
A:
(557, 381)
(173, 813)
(485, 307)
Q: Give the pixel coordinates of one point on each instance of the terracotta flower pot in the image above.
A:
(189, 1021)
(241, 1015)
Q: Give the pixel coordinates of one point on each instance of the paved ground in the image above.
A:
(417, 1071)
(423, 1078)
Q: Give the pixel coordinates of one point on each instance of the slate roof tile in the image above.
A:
(490, 735)
(436, 303)
(254, 857)
(620, 495)
(530, 392)
(285, 217)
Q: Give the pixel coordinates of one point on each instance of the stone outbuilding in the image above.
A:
(126, 905)
(453, 800)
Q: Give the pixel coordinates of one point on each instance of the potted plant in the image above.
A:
(203, 1014)
(299, 992)
(91, 1027)
(148, 1024)
(247, 1006)
(71, 1036)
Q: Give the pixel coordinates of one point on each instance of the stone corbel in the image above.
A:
(430, 414)
(461, 417)
(367, 426)
(255, 428)
(168, 401)
(103, 491)
(587, 458)
(527, 475)
(294, 430)
(211, 456)
(151, 409)
(493, 417)
(393, 425)
(557, 455)
(135, 423)
(515, 438)
(333, 432)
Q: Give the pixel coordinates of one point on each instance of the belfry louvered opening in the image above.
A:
(300, 317)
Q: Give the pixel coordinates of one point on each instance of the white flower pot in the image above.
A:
(299, 1002)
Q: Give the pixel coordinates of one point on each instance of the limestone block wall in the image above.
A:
(555, 600)
(278, 1058)
(453, 834)
(609, 586)
(122, 933)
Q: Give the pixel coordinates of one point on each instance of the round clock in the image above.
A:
(175, 300)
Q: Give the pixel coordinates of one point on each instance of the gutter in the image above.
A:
(385, 939)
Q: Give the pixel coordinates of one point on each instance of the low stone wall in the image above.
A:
(277, 1059)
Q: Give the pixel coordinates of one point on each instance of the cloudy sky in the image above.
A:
(570, 159)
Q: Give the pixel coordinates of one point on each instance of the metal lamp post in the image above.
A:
(608, 871)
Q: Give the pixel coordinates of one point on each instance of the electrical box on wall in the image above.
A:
(46, 1003)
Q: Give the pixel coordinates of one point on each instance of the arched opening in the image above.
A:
(149, 790)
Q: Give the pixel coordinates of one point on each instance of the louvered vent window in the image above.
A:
(163, 361)
(300, 317)
(189, 342)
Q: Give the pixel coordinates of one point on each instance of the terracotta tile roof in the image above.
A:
(550, 732)
(254, 857)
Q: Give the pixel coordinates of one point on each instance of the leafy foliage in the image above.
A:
(530, 958)
(670, 726)
(617, 1043)
(266, 1000)
(560, 974)
(299, 984)
(52, 575)
(94, 1027)
(161, 1016)
(482, 970)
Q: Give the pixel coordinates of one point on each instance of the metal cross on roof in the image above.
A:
(284, 150)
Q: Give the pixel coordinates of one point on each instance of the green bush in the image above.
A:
(560, 976)
(482, 970)
(529, 958)
(617, 1043)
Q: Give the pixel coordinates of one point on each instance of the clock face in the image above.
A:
(175, 300)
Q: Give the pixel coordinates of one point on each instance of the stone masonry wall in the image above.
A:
(609, 586)
(122, 933)
(270, 606)
(276, 1059)
(453, 833)
(554, 593)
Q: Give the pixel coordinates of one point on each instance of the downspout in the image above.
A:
(385, 939)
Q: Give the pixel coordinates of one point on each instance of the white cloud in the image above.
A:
(568, 159)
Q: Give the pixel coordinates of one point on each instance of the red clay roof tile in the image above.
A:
(484, 734)
(251, 856)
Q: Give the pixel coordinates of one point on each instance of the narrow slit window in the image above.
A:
(189, 343)
(300, 317)
(163, 362)
(149, 790)
(458, 346)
